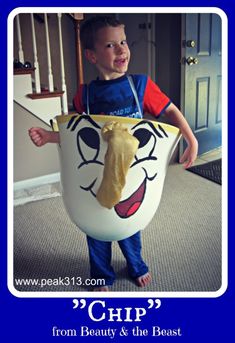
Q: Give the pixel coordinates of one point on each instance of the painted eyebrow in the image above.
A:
(75, 120)
(156, 131)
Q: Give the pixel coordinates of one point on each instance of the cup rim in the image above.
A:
(124, 120)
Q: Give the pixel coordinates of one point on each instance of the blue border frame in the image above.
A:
(30, 319)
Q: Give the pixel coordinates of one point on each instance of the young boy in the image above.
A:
(114, 92)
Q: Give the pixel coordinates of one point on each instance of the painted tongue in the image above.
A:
(133, 208)
(128, 207)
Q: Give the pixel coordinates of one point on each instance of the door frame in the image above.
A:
(182, 74)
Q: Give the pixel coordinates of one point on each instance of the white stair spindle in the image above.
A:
(50, 75)
(20, 51)
(63, 84)
(36, 65)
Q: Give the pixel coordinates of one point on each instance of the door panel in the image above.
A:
(202, 77)
(204, 34)
(202, 100)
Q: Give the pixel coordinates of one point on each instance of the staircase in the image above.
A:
(46, 56)
(43, 101)
(45, 106)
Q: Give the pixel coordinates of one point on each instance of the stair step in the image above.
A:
(21, 71)
(45, 94)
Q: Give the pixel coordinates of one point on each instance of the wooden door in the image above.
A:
(201, 73)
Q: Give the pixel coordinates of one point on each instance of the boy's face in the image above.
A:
(111, 54)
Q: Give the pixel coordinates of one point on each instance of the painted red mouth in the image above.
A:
(130, 206)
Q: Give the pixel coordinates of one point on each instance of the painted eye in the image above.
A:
(88, 143)
(147, 143)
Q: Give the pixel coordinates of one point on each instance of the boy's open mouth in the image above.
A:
(128, 207)
(120, 61)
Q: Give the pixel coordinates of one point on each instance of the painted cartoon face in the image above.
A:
(82, 163)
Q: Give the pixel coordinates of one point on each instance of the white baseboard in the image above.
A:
(25, 199)
(37, 181)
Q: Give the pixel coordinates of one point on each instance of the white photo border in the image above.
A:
(131, 10)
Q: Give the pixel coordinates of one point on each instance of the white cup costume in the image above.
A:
(82, 153)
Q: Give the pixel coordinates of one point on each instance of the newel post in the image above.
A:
(78, 17)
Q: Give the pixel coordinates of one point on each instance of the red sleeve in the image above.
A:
(77, 100)
(155, 101)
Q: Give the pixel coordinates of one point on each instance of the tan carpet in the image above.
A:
(182, 244)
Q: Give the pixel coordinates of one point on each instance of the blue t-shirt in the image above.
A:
(115, 97)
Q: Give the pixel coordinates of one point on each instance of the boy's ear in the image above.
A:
(90, 55)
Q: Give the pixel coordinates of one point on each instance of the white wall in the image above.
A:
(29, 160)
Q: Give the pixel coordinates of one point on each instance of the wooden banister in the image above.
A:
(78, 17)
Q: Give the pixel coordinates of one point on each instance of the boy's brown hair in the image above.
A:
(91, 26)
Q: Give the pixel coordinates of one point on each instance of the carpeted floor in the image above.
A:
(181, 245)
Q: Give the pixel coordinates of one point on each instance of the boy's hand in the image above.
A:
(189, 155)
(39, 136)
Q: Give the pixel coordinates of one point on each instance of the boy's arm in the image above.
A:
(40, 136)
(176, 118)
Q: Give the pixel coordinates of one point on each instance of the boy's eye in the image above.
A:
(110, 45)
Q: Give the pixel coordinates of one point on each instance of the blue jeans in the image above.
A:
(100, 258)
